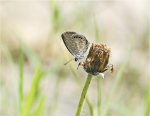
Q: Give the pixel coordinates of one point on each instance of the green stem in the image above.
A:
(84, 91)
(21, 63)
(80, 84)
(99, 95)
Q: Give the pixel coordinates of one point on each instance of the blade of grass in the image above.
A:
(79, 82)
(54, 67)
(32, 56)
(54, 100)
(9, 58)
(8, 55)
(31, 94)
(99, 95)
(21, 64)
(99, 91)
(55, 11)
(39, 107)
(96, 30)
(118, 77)
(121, 109)
(147, 99)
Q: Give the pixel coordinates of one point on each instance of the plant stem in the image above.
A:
(80, 83)
(84, 91)
(20, 86)
(99, 95)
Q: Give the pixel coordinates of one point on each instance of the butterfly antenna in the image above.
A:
(69, 61)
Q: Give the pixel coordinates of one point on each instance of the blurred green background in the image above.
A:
(34, 80)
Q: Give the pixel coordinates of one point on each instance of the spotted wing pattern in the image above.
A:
(77, 44)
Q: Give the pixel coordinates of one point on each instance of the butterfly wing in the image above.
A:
(66, 37)
(81, 44)
(76, 44)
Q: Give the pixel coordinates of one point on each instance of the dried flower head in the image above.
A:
(97, 60)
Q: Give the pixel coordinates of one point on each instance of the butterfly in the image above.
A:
(76, 44)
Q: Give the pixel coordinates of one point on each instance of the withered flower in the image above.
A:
(97, 60)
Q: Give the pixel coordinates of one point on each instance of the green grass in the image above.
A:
(99, 82)
(37, 111)
(118, 77)
(147, 99)
(21, 66)
(31, 94)
(24, 104)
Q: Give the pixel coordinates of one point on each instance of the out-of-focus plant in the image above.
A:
(147, 99)
(99, 91)
(24, 104)
(118, 77)
(55, 11)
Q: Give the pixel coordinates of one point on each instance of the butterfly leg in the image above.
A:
(80, 63)
(111, 66)
(68, 61)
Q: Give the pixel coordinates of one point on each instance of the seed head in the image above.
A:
(97, 60)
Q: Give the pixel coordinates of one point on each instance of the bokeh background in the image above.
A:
(31, 38)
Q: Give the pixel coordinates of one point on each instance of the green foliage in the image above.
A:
(147, 99)
(31, 55)
(21, 65)
(99, 91)
(56, 20)
(24, 106)
(8, 56)
(97, 33)
(10, 60)
(31, 94)
(118, 77)
(39, 107)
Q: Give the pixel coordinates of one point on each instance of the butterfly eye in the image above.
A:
(81, 37)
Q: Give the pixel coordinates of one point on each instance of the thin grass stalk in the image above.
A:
(83, 95)
(99, 95)
(79, 82)
(9, 58)
(118, 77)
(97, 38)
(21, 63)
(147, 99)
(54, 101)
(32, 56)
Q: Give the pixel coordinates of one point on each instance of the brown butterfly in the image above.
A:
(76, 44)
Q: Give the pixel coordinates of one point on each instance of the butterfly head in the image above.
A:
(79, 57)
